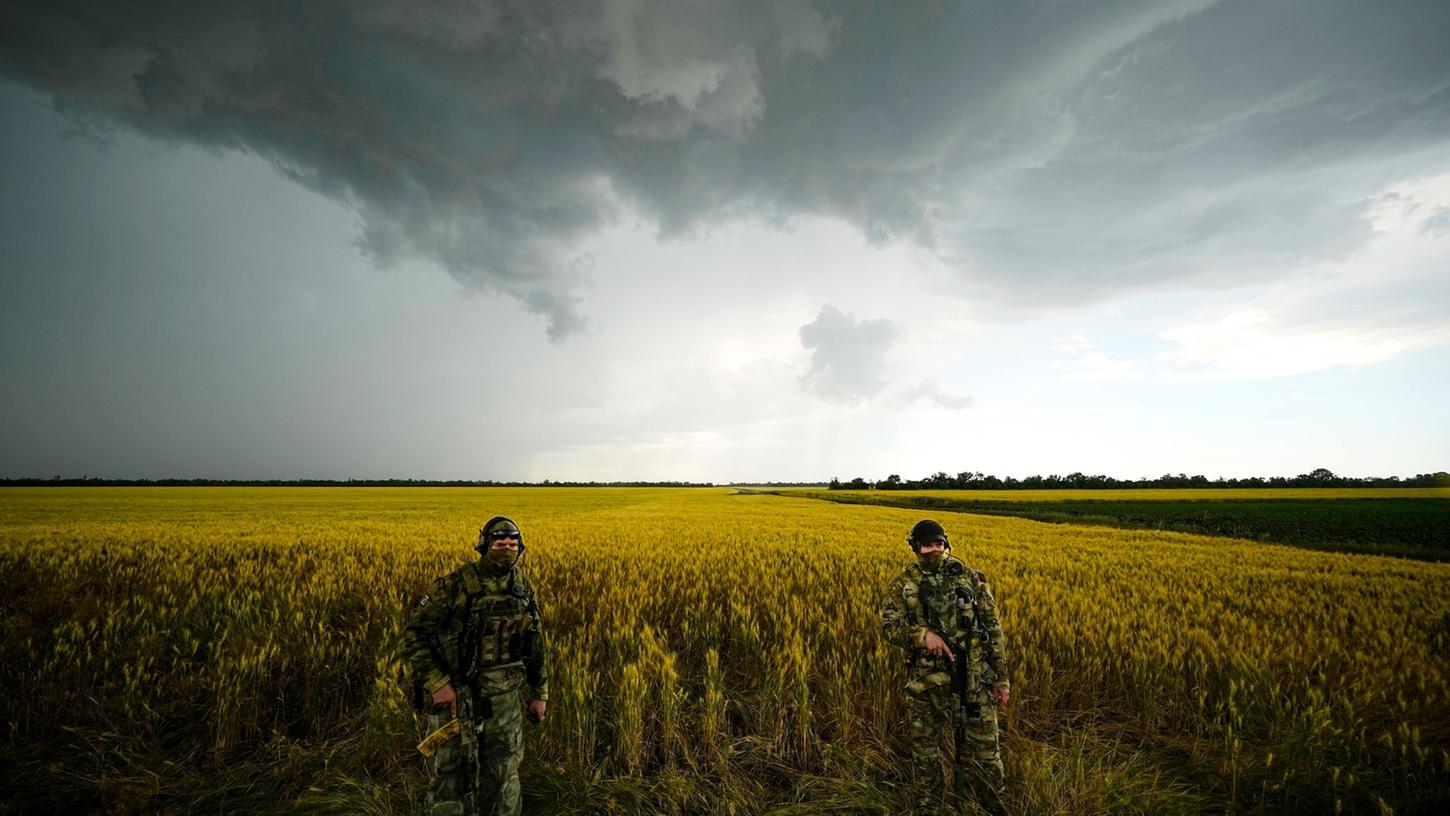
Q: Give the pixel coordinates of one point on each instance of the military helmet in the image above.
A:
(498, 524)
(924, 531)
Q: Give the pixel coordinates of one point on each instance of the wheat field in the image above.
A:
(234, 650)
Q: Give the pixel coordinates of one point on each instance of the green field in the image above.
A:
(1406, 522)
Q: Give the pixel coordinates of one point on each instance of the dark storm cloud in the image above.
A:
(848, 354)
(1052, 151)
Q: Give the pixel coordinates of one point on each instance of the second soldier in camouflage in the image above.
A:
(939, 612)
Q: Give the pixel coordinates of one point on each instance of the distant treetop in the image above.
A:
(968, 480)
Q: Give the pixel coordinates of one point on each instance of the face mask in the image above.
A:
(932, 560)
(500, 559)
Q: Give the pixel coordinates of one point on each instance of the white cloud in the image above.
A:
(1390, 298)
(1083, 360)
(1250, 343)
(930, 390)
(1419, 204)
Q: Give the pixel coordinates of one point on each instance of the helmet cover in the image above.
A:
(925, 531)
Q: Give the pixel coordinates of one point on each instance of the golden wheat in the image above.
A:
(699, 631)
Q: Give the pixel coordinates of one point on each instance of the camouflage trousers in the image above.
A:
(476, 773)
(929, 712)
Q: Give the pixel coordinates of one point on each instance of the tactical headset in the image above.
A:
(916, 545)
(483, 542)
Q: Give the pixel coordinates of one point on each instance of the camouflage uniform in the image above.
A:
(479, 629)
(957, 604)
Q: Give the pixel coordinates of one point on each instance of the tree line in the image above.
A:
(968, 480)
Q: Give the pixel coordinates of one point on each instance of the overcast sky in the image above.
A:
(652, 239)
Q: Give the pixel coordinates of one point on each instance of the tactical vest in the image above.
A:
(946, 602)
(490, 625)
(498, 625)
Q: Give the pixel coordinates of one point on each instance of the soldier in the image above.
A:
(944, 616)
(471, 643)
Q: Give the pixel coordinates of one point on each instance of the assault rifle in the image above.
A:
(961, 710)
(962, 707)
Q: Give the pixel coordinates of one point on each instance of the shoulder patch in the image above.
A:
(422, 602)
(982, 577)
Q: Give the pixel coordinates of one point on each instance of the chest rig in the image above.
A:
(495, 617)
(945, 602)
